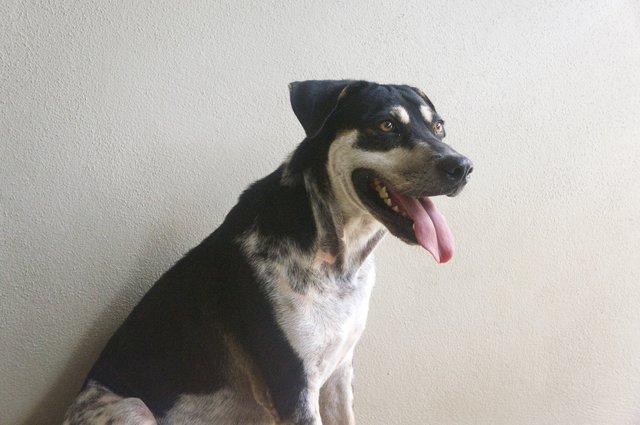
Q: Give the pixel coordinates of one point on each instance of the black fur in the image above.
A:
(172, 342)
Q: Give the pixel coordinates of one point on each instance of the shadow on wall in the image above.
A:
(51, 408)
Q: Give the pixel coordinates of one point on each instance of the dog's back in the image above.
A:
(185, 335)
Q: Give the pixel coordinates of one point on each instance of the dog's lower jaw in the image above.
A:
(340, 159)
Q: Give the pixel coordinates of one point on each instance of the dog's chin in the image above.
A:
(396, 221)
(455, 192)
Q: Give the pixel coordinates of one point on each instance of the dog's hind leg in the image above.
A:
(96, 405)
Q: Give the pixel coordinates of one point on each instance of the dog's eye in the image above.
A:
(387, 126)
(438, 127)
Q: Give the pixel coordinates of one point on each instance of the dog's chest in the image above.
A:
(324, 322)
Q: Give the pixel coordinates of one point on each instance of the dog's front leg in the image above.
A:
(305, 412)
(336, 396)
(309, 410)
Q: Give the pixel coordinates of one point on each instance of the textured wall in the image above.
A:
(128, 130)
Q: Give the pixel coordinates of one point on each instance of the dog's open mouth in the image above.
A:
(414, 220)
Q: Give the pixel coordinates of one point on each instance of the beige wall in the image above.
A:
(127, 131)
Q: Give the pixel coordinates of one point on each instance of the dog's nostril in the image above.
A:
(455, 173)
(456, 167)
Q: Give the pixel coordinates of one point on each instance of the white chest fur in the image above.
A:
(324, 323)
(321, 313)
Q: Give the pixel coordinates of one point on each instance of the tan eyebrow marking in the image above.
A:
(427, 113)
(401, 114)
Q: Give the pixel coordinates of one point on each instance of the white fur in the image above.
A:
(336, 396)
(222, 407)
(325, 320)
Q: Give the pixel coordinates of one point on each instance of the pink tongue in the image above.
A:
(430, 227)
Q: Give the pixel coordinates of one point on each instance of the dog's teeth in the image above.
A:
(382, 193)
(395, 208)
(387, 201)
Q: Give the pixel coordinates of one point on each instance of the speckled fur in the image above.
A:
(96, 405)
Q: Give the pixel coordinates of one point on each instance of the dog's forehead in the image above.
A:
(398, 100)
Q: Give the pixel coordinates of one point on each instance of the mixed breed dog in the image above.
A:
(258, 323)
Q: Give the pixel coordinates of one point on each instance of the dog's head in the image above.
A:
(387, 155)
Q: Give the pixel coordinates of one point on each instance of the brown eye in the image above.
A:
(386, 126)
(438, 128)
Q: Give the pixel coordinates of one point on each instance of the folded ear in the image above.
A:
(313, 101)
(424, 97)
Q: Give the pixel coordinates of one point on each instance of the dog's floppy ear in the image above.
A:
(423, 96)
(314, 100)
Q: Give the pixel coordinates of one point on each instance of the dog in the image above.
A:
(258, 323)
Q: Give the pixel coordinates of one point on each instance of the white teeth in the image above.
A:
(382, 190)
(384, 195)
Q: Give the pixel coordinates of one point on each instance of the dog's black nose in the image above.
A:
(456, 168)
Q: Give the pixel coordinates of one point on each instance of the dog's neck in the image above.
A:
(345, 236)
